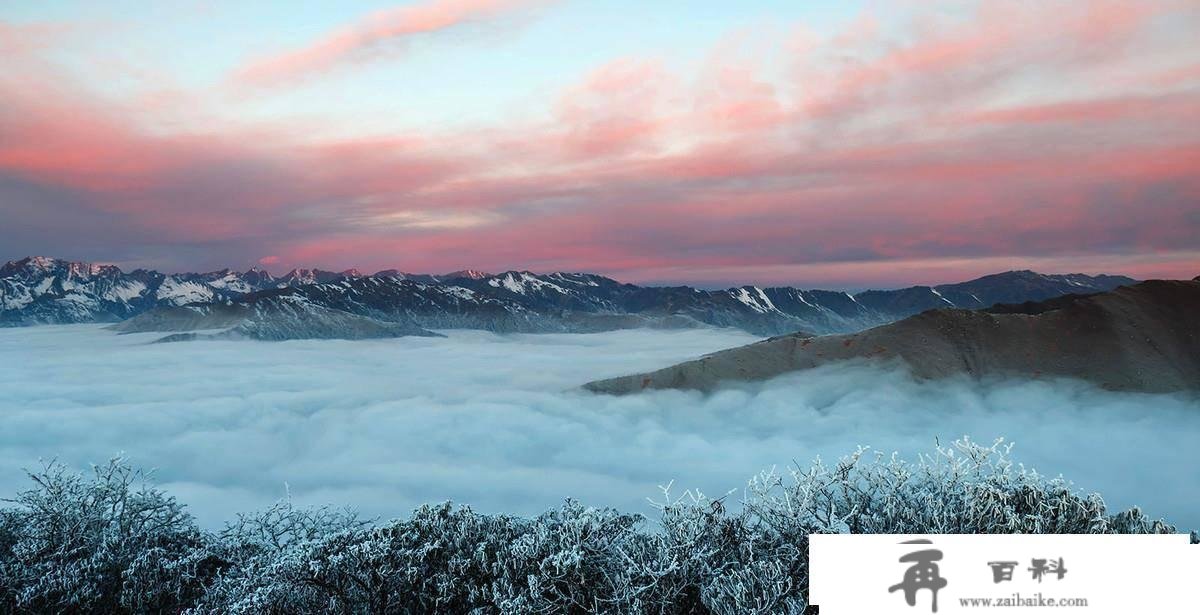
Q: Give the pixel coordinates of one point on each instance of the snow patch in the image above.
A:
(523, 282)
(16, 300)
(43, 286)
(765, 300)
(460, 292)
(127, 291)
(753, 301)
(939, 296)
(800, 296)
(181, 292)
(231, 282)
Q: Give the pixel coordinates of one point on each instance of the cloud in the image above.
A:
(431, 220)
(1051, 133)
(494, 421)
(374, 35)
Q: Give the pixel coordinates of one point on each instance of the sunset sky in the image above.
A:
(835, 144)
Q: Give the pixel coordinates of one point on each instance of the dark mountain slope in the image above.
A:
(1144, 337)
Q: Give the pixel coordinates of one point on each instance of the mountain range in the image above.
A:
(317, 303)
(1141, 337)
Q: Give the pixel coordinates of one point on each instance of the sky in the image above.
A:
(845, 145)
(497, 421)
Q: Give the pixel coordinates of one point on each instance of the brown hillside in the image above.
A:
(1143, 337)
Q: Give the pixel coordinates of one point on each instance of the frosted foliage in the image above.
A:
(110, 542)
(105, 542)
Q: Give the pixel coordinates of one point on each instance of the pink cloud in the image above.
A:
(1180, 108)
(730, 95)
(619, 106)
(1011, 137)
(374, 34)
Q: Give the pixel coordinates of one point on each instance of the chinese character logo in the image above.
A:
(923, 574)
(1002, 571)
(1041, 567)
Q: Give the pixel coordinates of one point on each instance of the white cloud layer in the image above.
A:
(495, 422)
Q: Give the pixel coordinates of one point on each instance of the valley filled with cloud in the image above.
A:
(497, 421)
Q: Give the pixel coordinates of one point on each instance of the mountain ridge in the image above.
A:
(1140, 337)
(39, 290)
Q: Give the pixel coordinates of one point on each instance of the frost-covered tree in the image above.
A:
(107, 542)
(104, 542)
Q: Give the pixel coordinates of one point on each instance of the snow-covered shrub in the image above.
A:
(430, 562)
(104, 542)
(964, 489)
(284, 525)
(108, 543)
(447, 559)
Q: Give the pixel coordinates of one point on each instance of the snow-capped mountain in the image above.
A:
(42, 290)
(258, 277)
(465, 273)
(404, 275)
(300, 277)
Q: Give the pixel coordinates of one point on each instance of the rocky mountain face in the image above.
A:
(42, 290)
(510, 303)
(276, 317)
(1142, 337)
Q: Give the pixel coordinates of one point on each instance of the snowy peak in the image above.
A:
(46, 290)
(553, 291)
(258, 277)
(469, 274)
(300, 277)
(178, 290)
(224, 279)
(31, 265)
(404, 275)
(37, 290)
(89, 270)
(524, 281)
(37, 266)
(519, 282)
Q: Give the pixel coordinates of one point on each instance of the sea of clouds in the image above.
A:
(497, 422)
